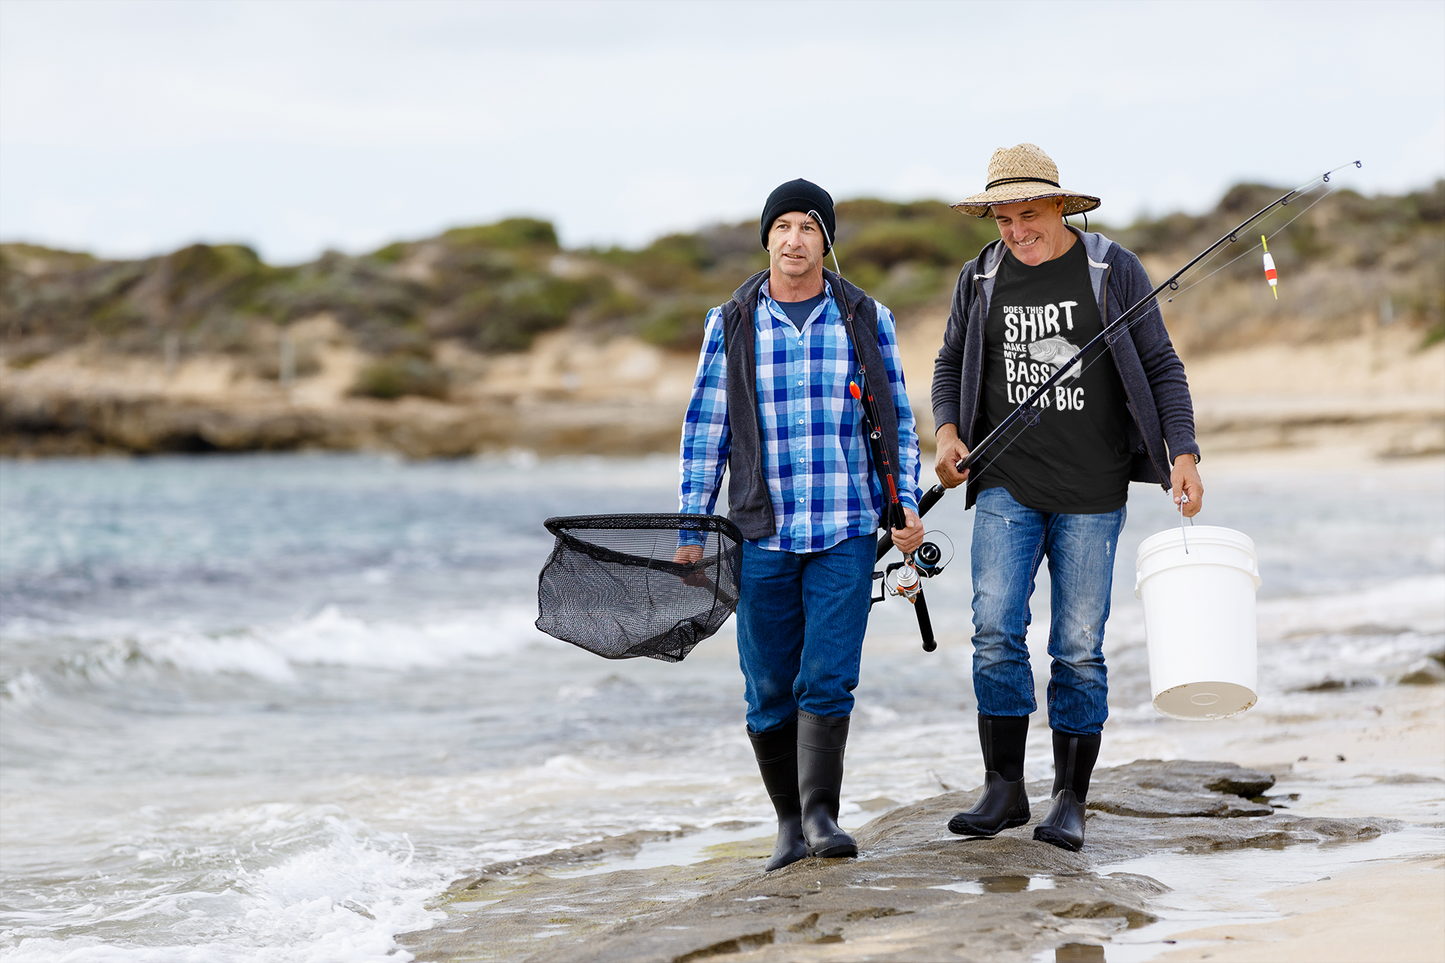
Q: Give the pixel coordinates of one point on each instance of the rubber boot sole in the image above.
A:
(838, 851)
(1003, 805)
(1046, 834)
(1064, 825)
(960, 828)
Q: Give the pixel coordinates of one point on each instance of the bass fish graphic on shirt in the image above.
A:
(1057, 352)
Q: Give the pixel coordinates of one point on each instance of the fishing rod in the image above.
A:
(907, 583)
(1109, 333)
(863, 394)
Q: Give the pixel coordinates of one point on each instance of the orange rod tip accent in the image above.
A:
(853, 390)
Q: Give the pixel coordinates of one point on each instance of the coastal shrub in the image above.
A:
(508, 318)
(115, 317)
(1430, 205)
(893, 243)
(612, 303)
(1244, 199)
(678, 325)
(459, 270)
(912, 283)
(406, 374)
(372, 302)
(196, 279)
(670, 263)
(864, 210)
(732, 244)
(884, 233)
(513, 233)
(391, 253)
(1158, 235)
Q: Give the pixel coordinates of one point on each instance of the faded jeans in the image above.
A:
(801, 619)
(1009, 542)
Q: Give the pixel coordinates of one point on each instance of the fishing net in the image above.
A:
(611, 585)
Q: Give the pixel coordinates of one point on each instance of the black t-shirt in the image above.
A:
(1074, 458)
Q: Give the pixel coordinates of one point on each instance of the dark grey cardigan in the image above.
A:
(749, 505)
(1157, 392)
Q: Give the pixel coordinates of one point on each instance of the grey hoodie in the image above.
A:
(1162, 427)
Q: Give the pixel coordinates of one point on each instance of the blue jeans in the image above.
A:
(1009, 542)
(801, 619)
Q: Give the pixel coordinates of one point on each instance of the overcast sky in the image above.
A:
(133, 128)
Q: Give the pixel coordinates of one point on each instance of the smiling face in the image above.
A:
(1034, 230)
(795, 246)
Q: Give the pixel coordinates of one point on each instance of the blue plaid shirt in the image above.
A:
(822, 486)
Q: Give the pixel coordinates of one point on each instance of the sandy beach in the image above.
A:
(1377, 911)
(1390, 908)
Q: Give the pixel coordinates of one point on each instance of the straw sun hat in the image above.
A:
(1023, 173)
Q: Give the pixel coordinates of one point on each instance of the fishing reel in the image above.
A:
(904, 580)
(926, 562)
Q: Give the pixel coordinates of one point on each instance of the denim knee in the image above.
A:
(1007, 548)
(837, 587)
(801, 621)
(1081, 565)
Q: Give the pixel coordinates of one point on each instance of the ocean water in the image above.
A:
(267, 707)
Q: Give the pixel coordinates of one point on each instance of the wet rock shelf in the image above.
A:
(915, 892)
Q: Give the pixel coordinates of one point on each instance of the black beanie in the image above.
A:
(799, 195)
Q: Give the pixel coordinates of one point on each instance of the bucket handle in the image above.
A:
(1183, 532)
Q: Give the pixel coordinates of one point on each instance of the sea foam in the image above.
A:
(274, 882)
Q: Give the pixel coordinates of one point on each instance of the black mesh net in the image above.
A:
(611, 585)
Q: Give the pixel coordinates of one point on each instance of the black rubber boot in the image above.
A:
(777, 755)
(1074, 758)
(821, 741)
(1004, 803)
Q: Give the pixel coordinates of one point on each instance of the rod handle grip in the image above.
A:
(930, 498)
(925, 624)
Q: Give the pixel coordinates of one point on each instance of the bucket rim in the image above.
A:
(1204, 534)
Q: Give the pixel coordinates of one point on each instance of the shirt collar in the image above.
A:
(828, 305)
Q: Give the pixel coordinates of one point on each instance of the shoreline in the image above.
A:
(1376, 393)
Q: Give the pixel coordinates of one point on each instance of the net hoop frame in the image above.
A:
(562, 525)
(683, 635)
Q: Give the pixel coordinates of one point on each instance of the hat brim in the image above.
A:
(978, 205)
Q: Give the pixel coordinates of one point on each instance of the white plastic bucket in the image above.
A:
(1199, 620)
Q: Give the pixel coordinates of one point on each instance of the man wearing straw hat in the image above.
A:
(1057, 488)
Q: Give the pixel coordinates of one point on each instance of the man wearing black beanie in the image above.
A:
(771, 406)
(805, 197)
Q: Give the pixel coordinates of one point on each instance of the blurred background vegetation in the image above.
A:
(491, 289)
